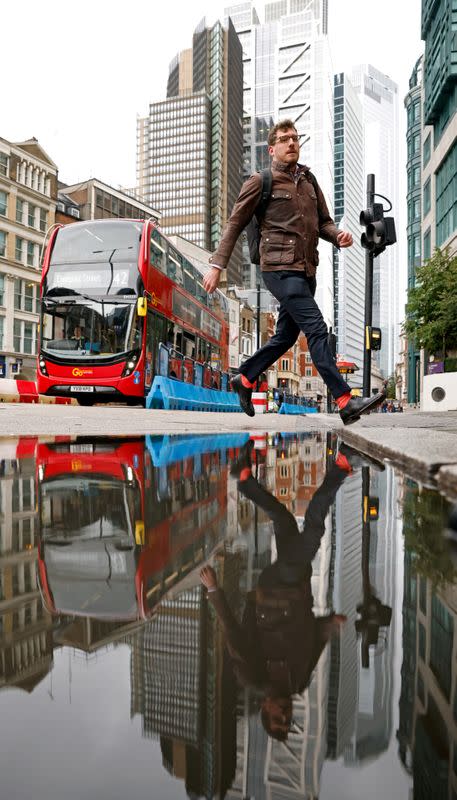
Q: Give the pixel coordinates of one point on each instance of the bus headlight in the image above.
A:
(130, 366)
(43, 366)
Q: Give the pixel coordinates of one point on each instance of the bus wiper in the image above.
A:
(66, 301)
(110, 261)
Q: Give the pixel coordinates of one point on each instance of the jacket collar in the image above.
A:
(278, 165)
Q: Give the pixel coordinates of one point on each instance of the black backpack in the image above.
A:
(253, 227)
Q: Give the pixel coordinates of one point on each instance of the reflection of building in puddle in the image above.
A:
(25, 627)
(360, 699)
(427, 732)
(183, 690)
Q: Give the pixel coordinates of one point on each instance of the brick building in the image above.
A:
(28, 194)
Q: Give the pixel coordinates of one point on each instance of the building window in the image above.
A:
(441, 645)
(43, 220)
(2, 243)
(29, 337)
(308, 386)
(1, 332)
(285, 364)
(308, 358)
(427, 149)
(2, 291)
(3, 203)
(427, 197)
(17, 335)
(427, 244)
(28, 297)
(446, 197)
(19, 249)
(31, 216)
(24, 335)
(308, 372)
(20, 208)
(3, 164)
(24, 296)
(30, 253)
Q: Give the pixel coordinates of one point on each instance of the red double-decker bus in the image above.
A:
(120, 304)
(117, 532)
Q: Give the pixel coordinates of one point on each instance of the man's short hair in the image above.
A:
(282, 125)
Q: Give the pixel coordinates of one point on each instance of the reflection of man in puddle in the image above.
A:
(279, 642)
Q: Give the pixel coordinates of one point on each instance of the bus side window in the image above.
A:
(178, 339)
(170, 337)
(189, 277)
(189, 344)
(201, 294)
(174, 266)
(158, 251)
(203, 351)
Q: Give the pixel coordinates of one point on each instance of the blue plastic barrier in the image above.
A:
(169, 449)
(174, 395)
(289, 408)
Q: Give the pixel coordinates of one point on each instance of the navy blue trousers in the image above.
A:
(298, 311)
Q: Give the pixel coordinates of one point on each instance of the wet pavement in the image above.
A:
(320, 660)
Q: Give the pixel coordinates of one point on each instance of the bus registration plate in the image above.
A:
(81, 388)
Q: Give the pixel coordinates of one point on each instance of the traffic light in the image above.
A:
(373, 338)
(370, 508)
(379, 230)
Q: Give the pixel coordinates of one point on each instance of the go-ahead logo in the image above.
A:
(79, 373)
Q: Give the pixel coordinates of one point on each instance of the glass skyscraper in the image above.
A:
(189, 150)
(287, 74)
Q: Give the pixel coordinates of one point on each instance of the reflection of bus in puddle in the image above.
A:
(123, 522)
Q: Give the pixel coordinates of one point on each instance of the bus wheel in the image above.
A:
(86, 401)
(135, 401)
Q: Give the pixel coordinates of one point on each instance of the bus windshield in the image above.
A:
(96, 258)
(94, 327)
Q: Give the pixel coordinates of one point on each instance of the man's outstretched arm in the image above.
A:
(242, 213)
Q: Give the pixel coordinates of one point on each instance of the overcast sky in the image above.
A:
(75, 76)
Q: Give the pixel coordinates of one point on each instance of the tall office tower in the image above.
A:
(378, 95)
(189, 148)
(349, 264)
(360, 697)
(439, 165)
(287, 74)
(413, 105)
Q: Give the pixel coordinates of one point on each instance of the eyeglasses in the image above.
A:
(284, 139)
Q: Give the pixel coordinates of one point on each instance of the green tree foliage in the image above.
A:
(425, 515)
(432, 305)
(391, 386)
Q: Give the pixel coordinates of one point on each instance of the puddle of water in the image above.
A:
(323, 665)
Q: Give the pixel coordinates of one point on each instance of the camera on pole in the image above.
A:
(379, 230)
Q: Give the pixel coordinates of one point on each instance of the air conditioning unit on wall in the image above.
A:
(440, 392)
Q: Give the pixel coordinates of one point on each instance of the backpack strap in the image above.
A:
(313, 180)
(266, 177)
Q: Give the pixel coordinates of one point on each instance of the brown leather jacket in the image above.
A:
(295, 218)
(279, 642)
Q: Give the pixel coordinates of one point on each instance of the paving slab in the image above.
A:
(36, 420)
